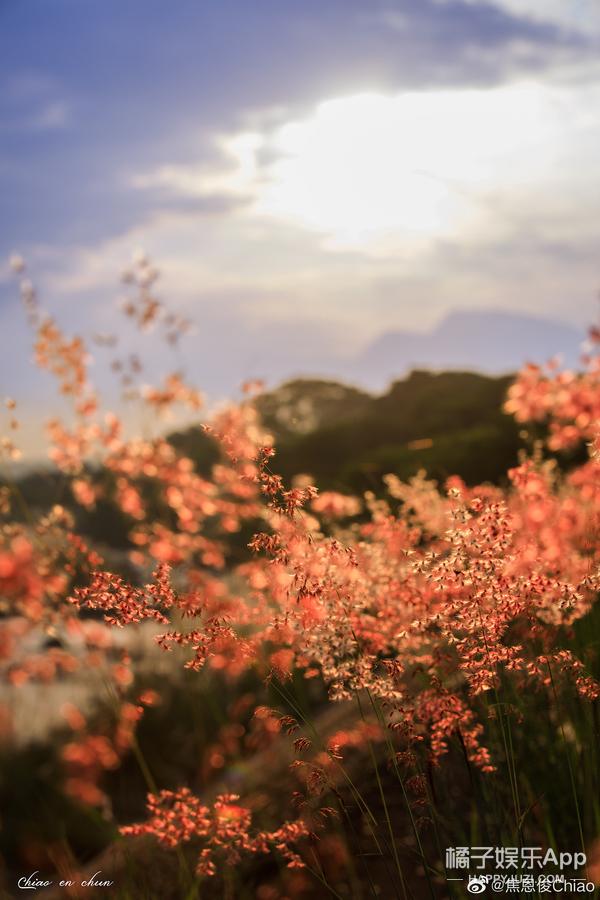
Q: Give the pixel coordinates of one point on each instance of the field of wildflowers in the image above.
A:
(376, 684)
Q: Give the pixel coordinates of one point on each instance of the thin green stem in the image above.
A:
(362, 803)
(569, 764)
(383, 800)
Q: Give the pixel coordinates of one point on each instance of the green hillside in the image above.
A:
(345, 439)
(448, 423)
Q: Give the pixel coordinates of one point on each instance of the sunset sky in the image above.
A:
(307, 176)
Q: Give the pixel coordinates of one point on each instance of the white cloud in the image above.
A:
(394, 174)
(379, 211)
(577, 15)
(34, 101)
(237, 171)
(51, 116)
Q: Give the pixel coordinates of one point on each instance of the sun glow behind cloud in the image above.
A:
(386, 174)
(428, 199)
(417, 164)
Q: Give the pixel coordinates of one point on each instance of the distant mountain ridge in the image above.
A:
(493, 342)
